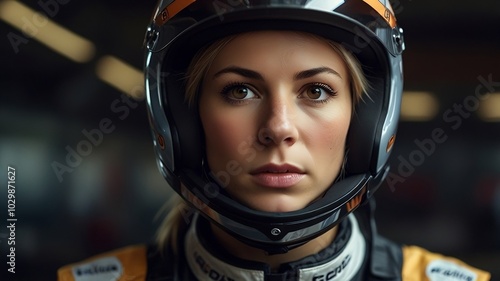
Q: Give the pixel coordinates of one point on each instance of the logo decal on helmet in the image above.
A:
(171, 10)
(384, 11)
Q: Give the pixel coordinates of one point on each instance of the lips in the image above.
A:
(277, 176)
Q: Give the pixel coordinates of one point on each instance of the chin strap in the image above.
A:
(275, 232)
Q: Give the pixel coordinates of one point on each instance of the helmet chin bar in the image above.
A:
(274, 232)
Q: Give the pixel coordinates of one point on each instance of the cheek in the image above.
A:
(329, 132)
(223, 135)
(327, 149)
(329, 139)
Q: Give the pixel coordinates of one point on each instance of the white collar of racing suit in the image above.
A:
(206, 266)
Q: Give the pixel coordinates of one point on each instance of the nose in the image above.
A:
(278, 125)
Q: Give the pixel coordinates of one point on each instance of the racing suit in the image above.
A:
(357, 253)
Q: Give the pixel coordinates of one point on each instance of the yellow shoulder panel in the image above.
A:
(125, 264)
(420, 264)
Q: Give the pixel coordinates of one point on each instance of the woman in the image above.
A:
(274, 121)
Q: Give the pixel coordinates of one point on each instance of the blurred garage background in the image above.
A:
(71, 80)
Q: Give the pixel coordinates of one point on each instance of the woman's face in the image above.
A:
(275, 108)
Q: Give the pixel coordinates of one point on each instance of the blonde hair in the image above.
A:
(177, 215)
(199, 67)
(196, 71)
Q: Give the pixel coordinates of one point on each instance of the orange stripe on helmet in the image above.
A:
(383, 11)
(171, 10)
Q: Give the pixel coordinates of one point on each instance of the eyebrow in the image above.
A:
(255, 75)
(315, 71)
(241, 71)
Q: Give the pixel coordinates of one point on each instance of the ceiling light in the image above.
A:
(35, 25)
(419, 106)
(489, 109)
(121, 75)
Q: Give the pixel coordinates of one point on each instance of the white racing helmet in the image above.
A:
(180, 28)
